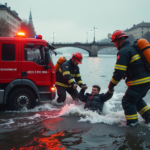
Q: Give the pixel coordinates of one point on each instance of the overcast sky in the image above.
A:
(71, 19)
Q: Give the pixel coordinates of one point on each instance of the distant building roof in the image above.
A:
(3, 7)
(143, 24)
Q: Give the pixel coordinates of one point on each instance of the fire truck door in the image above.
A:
(8, 62)
(33, 62)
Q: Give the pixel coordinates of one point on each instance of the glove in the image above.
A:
(74, 86)
(110, 90)
(84, 87)
(124, 77)
(111, 86)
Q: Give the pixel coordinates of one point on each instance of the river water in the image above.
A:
(70, 127)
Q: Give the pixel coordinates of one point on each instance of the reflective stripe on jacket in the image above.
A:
(67, 73)
(128, 59)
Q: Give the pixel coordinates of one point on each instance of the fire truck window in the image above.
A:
(51, 58)
(8, 52)
(34, 54)
(30, 54)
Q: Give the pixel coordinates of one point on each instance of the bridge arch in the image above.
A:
(91, 48)
(80, 47)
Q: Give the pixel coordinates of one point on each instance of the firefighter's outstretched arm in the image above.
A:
(78, 78)
(120, 68)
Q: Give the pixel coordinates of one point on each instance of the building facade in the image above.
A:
(139, 30)
(11, 17)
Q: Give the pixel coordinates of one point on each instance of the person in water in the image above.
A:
(95, 100)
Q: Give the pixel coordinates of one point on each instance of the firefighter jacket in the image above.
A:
(67, 73)
(130, 65)
(94, 102)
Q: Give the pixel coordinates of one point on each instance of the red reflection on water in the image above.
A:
(49, 142)
(52, 124)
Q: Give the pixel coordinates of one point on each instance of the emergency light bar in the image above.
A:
(20, 34)
(38, 36)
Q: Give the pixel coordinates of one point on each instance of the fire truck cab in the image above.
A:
(27, 75)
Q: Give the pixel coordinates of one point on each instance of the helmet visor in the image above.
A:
(113, 38)
(76, 59)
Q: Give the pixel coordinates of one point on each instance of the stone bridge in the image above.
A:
(91, 48)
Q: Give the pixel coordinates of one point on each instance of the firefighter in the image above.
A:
(95, 100)
(65, 76)
(130, 66)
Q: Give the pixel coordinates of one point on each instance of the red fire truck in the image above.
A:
(27, 75)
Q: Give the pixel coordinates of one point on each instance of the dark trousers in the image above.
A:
(133, 102)
(61, 92)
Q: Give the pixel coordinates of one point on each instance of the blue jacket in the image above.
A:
(94, 102)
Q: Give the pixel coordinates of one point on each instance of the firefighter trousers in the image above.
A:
(61, 92)
(133, 102)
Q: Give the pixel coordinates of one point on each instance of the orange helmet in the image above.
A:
(118, 34)
(77, 57)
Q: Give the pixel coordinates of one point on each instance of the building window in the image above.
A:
(8, 52)
(13, 33)
(142, 32)
(7, 17)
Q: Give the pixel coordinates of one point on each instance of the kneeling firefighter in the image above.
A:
(64, 78)
(131, 66)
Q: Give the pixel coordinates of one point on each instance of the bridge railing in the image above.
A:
(81, 43)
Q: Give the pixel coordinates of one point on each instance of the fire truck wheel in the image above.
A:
(21, 98)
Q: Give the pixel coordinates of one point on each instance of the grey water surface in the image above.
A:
(70, 127)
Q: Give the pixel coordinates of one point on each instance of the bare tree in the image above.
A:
(147, 36)
(31, 31)
(28, 29)
(4, 28)
(24, 24)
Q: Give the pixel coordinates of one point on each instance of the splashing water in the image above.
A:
(111, 114)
